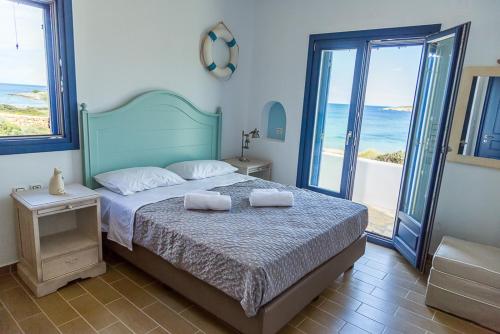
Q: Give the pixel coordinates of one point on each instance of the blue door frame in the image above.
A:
(308, 168)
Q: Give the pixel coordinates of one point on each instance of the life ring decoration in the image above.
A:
(220, 31)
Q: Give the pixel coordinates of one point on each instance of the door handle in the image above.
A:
(348, 137)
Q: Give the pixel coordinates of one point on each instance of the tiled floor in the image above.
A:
(382, 294)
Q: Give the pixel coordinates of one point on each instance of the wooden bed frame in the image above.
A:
(159, 128)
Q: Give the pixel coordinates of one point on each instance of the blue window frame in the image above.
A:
(60, 65)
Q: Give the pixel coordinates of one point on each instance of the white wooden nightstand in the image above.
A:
(254, 167)
(58, 237)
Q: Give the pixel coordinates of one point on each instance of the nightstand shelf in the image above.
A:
(59, 237)
(58, 244)
(254, 167)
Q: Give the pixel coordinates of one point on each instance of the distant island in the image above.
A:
(400, 108)
(33, 95)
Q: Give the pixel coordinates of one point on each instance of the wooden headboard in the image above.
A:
(154, 129)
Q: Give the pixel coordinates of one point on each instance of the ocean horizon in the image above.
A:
(384, 128)
(19, 101)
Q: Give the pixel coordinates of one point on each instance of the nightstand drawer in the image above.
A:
(258, 169)
(65, 207)
(68, 263)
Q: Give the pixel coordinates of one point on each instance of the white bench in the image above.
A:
(465, 281)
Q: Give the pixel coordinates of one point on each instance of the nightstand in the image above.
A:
(58, 237)
(253, 167)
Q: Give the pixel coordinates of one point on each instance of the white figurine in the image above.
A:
(56, 184)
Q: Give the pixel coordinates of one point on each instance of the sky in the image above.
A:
(26, 65)
(392, 76)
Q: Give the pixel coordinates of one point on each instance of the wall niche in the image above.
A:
(274, 121)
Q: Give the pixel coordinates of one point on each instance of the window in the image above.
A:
(38, 109)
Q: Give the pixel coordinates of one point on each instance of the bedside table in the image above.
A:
(254, 167)
(58, 237)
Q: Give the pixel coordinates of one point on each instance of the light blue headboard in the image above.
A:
(154, 129)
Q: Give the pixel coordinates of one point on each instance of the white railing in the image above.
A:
(376, 182)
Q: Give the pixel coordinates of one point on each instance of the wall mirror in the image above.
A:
(475, 137)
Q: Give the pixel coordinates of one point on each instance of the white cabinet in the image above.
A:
(58, 237)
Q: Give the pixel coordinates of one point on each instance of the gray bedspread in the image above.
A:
(251, 254)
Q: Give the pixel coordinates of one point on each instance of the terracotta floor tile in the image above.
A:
(7, 324)
(7, 281)
(422, 322)
(290, 330)
(310, 326)
(323, 318)
(459, 324)
(416, 297)
(297, 320)
(131, 316)
(408, 305)
(56, 308)
(138, 296)
(111, 275)
(168, 296)
(352, 317)
(89, 308)
(341, 299)
(100, 290)
(389, 320)
(371, 300)
(135, 274)
(159, 330)
(18, 303)
(71, 291)
(117, 328)
(351, 329)
(38, 324)
(370, 271)
(168, 319)
(206, 322)
(77, 326)
(382, 293)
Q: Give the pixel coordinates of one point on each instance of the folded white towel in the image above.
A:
(271, 198)
(201, 201)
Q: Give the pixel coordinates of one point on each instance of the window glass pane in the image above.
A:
(332, 117)
(24, 102)
(424, 145)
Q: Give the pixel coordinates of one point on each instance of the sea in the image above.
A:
(382, 129)
(19, 101)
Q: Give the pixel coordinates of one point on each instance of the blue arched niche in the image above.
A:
(274, 119)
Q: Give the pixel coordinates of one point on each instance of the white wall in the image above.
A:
(282, 31)
(126, 47)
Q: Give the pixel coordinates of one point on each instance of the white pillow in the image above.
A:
(130, 180)
(201, 169)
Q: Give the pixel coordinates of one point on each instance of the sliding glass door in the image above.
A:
(428, 142)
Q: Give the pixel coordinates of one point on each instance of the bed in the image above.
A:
(254, 268)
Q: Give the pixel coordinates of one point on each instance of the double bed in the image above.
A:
(254, 268)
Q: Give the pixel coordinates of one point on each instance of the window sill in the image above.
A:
(34, 144)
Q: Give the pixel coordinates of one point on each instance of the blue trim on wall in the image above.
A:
(65, 135)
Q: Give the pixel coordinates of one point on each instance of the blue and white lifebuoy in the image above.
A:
(220, 31)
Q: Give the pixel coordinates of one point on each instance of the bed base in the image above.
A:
(272, 316)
